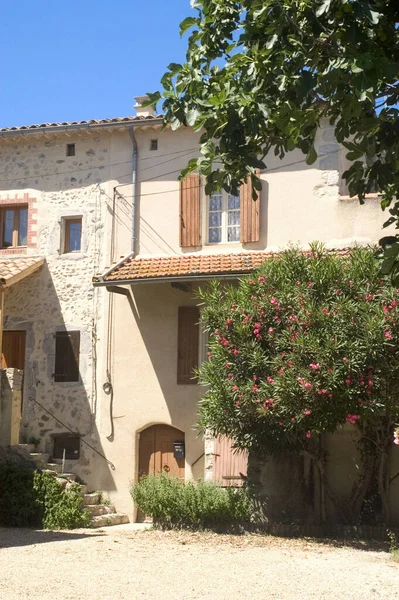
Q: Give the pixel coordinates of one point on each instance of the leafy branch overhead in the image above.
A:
(260, 75)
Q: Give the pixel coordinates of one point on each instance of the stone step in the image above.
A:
(40, 459)
(93, 498)
(28, 447)
(109, 520)
(50, 472)
(54, 467)
(69, 476)
(96, 510)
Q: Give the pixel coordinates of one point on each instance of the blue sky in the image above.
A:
(73, 60)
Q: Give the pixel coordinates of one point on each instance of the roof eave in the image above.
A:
(81, 126)
(172, 279)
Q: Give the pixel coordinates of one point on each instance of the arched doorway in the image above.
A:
(161, 448)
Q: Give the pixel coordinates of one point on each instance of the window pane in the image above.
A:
(75, 232)
(234, 202)
(233, 217)
(8, 228)
(23, 227)
(215, 203)
(233, 234)
(215, 235)
(215, 219)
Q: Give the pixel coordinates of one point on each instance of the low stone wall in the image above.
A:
(10, 406)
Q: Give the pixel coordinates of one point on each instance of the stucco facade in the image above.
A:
(128, 341)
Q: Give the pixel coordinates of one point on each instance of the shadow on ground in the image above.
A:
(14, 537)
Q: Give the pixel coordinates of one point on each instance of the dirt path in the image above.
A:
(122, 564)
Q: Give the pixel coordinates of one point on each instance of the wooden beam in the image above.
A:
(1, 319)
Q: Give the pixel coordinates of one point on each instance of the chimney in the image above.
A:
(143, 111)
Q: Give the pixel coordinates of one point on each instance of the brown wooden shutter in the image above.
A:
(190, 211)
(67, 347)
(187, 344)
(249, 213)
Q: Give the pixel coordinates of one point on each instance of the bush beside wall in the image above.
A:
(31, 498)
(173, 503)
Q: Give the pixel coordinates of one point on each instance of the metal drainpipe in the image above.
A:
(134, 185)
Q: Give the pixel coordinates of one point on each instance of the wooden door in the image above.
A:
(230, 466)
(13, 351)
(156, 451)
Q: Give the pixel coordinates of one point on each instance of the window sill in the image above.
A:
(74, 255)
(14, 250)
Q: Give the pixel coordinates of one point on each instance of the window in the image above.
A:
(154, 145)
(187, 344)
(67, 347)
(14, 227)
(68, 443)
(224, 215)
(70, 149)
(73, 235)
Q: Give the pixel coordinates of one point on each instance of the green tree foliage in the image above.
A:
(261, 74)
(308, 343)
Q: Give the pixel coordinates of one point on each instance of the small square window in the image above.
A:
(70, 149)
(14, 227)
(154, 145)
(66, 443)
(73, 235)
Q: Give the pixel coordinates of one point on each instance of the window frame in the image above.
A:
(17, 208)
(62, 376)
(68, 221)
(224, 221)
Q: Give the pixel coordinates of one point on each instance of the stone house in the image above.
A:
(107, 312)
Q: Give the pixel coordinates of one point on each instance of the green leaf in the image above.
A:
(174, 67)
(272, 41)
(191, 116)
(324, 7)
(187, 23)
(311, 156)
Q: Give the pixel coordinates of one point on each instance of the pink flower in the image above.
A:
(314, 366)
(350, 282)
(369, 297)
(235, 387)
(347, 381)
(273, 300)
(270, 330)
(292, 419)
(251, 282)
(387, 335)
(308, 434)
(281, 423)
(298, 283)
(307, 385)
(230, 376)
(396, 441)
(255, 388)
(307, 412)
(236, 352)
(352, 419)
(310, 284)
(270, 380)
(238, 403)
(345, 359)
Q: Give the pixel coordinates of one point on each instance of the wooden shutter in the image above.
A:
(187, 344)
(249, 213)
(67, 347)
(190, 211)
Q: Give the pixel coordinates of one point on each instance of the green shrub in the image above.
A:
(18, 502)
(62, 508)
(34, 499)
(173, 503)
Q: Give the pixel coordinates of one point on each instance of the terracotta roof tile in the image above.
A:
(14, 269)
(186, 265)
(189, 265)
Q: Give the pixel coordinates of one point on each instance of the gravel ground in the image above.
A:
(120, 563)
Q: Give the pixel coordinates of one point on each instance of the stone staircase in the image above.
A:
(102, 514)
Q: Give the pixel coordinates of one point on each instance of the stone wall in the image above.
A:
(10, 406)
(60, 297)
